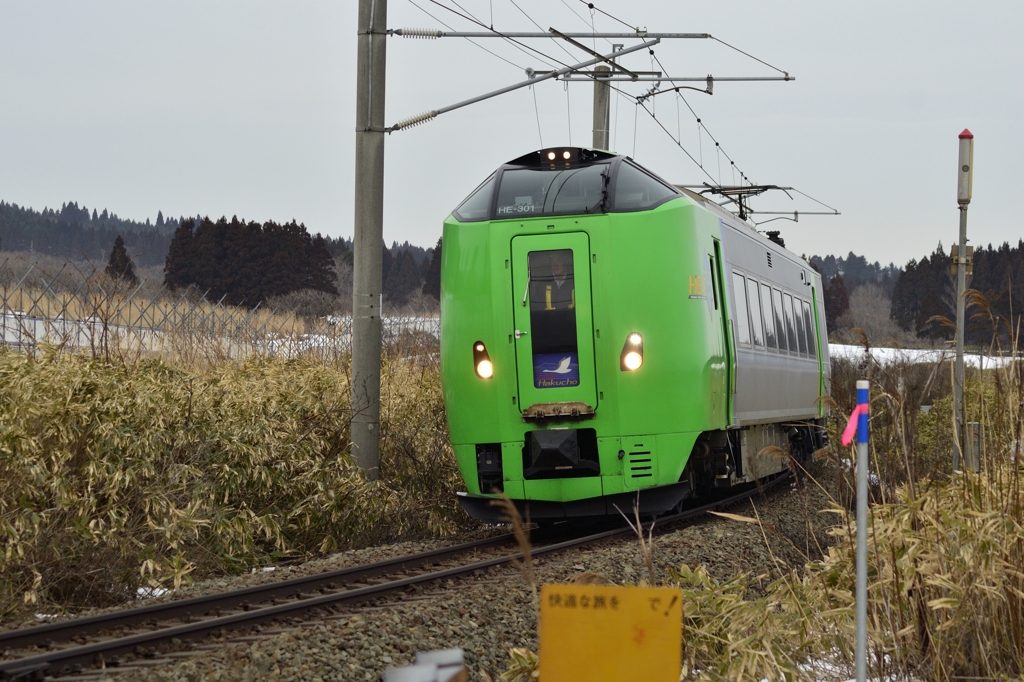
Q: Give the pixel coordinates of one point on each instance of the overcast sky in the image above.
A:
(247, 108)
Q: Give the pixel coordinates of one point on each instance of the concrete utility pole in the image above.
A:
(368, 237)
(602, 108)
(961, 260)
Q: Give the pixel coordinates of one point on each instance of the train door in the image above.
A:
(820, 341)
(554, 337)
(718, 277)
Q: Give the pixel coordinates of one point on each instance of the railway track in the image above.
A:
(73, 646)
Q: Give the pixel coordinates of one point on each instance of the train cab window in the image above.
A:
(477, 205)
(756, 328)
(787, 305)
(635, 190)
(770, 335)
(525, 192)
(739, 291)
(801, 334)
(809, 326)
(780, 320)
(552, 296)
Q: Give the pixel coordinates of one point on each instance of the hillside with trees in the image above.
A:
(247, 262)
(77, 233)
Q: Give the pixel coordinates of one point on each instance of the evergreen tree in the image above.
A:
(925, 290)
(837, 301)
(403, 279)
(323, 276)
(432, 279)
(178, 272)
(387, 260)
(120, 266)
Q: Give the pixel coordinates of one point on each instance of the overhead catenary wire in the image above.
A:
(557, 42)
(594, 8)
(546, 58)
(537, 111)
(731, 47)
(652, 113)
(822, 203)
(678, 142)
(530, 81)
(568, 113)
(411, 2)
(701, 125)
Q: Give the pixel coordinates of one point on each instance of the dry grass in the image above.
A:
(946, 551)
(115, 475)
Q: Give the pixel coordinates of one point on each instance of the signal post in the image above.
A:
(961, 262)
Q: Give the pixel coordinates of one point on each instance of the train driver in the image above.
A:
(552, 288)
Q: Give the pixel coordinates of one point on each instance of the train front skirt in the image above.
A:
(654, 500)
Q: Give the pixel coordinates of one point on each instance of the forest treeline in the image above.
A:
(244, 262)
(250, 263)
(917, 303)
(76, 233)
(247, 263)
(924, 298)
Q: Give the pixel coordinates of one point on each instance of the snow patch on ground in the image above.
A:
(889, 355)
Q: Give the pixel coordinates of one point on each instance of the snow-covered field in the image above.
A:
(889, 355)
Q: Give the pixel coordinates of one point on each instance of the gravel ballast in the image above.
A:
(491, 613)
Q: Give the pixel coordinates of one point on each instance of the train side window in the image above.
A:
(787, 304)
(739, 291)
(780, 321)
(809, 326)
(477, 204)
(801, 333)
(770, 335)
(635, 190)
(756, 330)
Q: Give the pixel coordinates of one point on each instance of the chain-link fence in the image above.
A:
(89, 311)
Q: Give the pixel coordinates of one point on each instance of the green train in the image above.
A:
(607, 336)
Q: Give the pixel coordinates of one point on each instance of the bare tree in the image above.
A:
(869, 310)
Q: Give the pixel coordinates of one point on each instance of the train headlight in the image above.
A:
(632, 353)
(482, 361)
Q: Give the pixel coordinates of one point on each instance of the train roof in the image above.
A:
(605, 182)
(565, 181)
(745, 226)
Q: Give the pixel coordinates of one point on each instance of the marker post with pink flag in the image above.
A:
(859, 423)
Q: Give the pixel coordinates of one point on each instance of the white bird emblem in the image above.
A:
(563, 367)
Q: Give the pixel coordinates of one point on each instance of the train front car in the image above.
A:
(587, 351)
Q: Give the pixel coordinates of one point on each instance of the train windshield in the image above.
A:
(529, 192)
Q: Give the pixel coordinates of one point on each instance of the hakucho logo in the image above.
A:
(556, 370)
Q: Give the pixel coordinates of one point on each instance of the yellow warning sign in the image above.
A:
(601, 633)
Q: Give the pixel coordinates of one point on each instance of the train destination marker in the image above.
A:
(603, 633)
